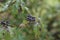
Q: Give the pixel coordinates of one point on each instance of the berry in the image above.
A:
(4, 23)
(7, 22)
(30, 18)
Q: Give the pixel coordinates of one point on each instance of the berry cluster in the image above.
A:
(4, 23)
(30, 18)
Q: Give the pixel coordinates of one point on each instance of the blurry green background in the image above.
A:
(45, 27)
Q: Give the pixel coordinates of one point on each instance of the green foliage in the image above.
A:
(46, 24)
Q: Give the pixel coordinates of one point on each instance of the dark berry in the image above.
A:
(33, 19)
(7, 22)
(30, 18)
(3, 23)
